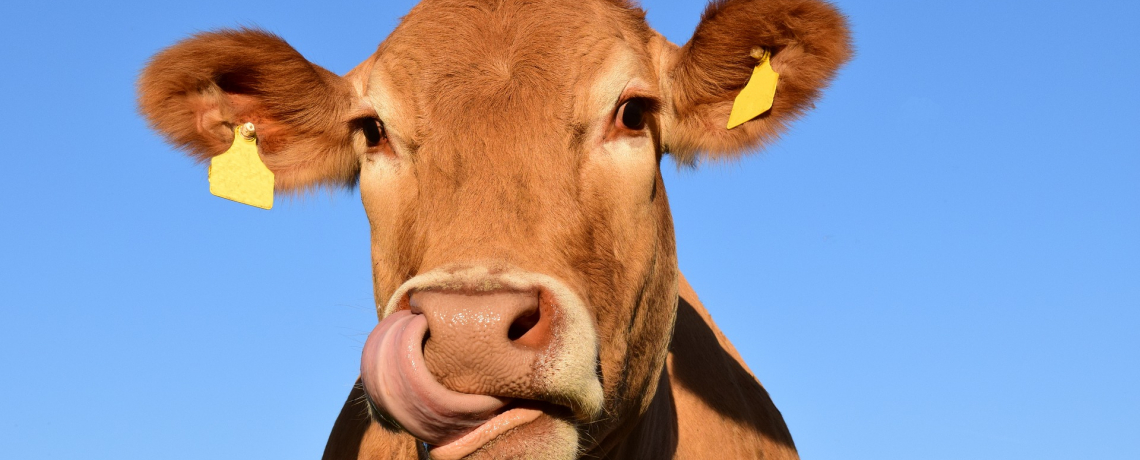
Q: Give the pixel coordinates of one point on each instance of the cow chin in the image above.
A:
(545, 438)
(527, 409)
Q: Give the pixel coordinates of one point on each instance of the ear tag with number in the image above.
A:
(756, 97)
(239, 175)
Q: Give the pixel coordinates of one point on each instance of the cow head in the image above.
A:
(508, 155)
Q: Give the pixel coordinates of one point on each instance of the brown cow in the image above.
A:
(508, 155)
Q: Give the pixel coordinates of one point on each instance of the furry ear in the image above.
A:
(808, 41)
(196, 91)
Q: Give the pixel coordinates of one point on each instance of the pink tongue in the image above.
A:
(397, 380)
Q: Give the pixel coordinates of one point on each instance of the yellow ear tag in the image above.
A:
(756, 97)
(239, 175)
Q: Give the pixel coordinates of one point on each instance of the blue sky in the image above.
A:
(942, 261)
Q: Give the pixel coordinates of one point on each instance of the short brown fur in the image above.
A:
(496, 156)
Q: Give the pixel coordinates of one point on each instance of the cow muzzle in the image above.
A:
(463, 356)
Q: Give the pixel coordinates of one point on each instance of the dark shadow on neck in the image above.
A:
(703, 367)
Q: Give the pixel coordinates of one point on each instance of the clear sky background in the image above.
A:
(942, 261)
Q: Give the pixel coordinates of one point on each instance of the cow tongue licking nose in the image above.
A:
(397, 380)
(479, 344)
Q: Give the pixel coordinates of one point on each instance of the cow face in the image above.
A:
(508, 155)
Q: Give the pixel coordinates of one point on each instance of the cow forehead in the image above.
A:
(515, 70)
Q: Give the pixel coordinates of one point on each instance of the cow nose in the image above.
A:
(484, 342)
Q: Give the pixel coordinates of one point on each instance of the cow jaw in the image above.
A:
(562, 385)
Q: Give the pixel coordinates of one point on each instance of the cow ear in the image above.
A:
(196, 91)
(807, 41)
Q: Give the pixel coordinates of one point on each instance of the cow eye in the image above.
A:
(631, 114)
(373, 131)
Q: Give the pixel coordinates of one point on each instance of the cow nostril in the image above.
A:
(524, 324)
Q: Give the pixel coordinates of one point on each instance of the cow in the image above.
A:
(508, 154)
